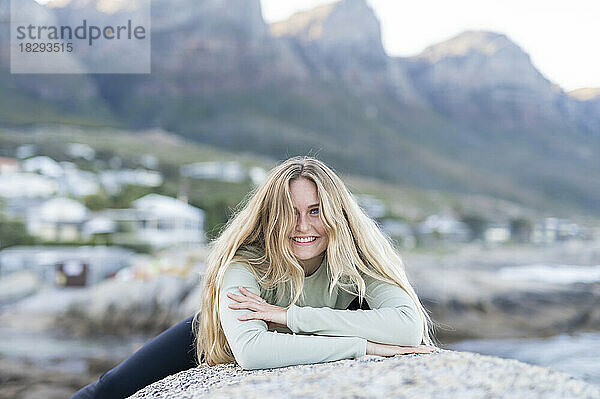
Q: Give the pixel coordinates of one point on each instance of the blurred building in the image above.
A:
(75, 182)
(57, 219)
(113, 180)
(440, 229)
(27, 185)
(79, 150)
(43, 165)
(552, 229)
(225, 171)
(66, 266)
(157, 220)
(149, 161)
(497, 233)
(400, 231)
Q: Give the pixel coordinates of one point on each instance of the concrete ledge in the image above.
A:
(443, 374)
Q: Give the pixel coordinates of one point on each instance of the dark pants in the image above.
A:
(172, 351)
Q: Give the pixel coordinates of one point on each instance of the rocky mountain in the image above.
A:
(487, 84)
(470, 115)
(342, 41)
(584, 109)
(485, 77)
(71, 90)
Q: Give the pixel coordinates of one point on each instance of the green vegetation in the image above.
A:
(13, 232)
(19, 109)
(219, 200)
(476, 223)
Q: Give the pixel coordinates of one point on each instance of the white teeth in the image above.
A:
(302, 239)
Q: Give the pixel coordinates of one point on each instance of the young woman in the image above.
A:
(285, 285)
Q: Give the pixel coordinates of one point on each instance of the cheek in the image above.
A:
(322, 230)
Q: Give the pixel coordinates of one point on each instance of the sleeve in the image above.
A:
(393, 320)
(256, 348)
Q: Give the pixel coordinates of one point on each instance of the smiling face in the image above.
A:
(309, 237)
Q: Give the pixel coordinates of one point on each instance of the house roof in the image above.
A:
(99, 225)
(45, 165)
(167, 206)
(63, 210)
(26, 185)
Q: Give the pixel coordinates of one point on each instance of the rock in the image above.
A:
(469, 296)
(124, 307)
(478, 304)
(24, 380)
(443, 374)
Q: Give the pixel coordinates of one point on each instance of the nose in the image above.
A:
(302, 223)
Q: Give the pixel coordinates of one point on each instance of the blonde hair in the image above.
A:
(266, 220)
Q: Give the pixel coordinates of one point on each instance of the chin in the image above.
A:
(306, 255)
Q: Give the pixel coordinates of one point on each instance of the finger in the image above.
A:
(241, 298)
(250, 294)
(238, 298)
(246, 305)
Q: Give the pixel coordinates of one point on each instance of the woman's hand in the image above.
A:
(275, 316)
(376, 349)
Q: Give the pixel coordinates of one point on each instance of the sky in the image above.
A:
(561, 37)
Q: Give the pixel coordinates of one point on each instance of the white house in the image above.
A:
(230, 171)
(98, 225)
(79, 150)
(442, 228)
(399, 230)
(149, 161)
(27, 185)
(78, 183)
(112, 180)
(553, 229)
(58, 219)
(157, 220)
(497, 234)
(43, 165)
(167, 221)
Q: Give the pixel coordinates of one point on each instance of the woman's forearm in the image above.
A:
(261, 349)
(394, 326)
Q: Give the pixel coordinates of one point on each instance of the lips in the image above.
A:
(304, 240)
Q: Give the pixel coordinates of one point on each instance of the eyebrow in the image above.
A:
(310, 206)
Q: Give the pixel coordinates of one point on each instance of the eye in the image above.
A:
(314, 211)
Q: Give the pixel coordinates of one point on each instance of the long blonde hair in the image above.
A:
(266, 219)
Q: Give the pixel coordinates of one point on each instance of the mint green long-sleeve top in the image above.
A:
(321, 330)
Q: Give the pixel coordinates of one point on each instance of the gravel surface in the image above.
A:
(443, 374)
